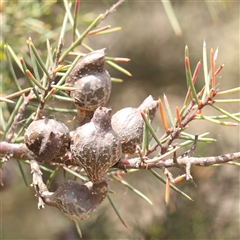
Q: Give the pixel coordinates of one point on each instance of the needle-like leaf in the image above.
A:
(79, 40)
(162, 115)
(189, 80)
(6, 49)
(120, 69)
(37, 57)
(11, 118)
(225, 112)
(170, 115)
(150, 128)
(171, 185)
(134, 190)
(117, 212)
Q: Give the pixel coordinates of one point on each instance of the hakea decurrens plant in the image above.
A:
(191, 110)
(93, 151)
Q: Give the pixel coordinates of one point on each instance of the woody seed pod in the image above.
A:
(47, 139)
(91, 80)
(77, 200)
(128, 123)
(96, 146)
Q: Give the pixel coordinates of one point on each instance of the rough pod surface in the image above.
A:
(47, 139)
(77, 200)
(96, 146)
(128, 123)
(91, 80)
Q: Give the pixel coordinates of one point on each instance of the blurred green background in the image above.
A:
(157, 66)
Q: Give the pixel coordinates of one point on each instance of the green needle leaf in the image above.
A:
(35, 81)
(189, 80)
(61, 110)
(220, 116)
(227, 101)
(75, 174)
(205, 70)
(237, 89)
(77, 3)
(34, 65)
(12, 116)
(171, 185)
(63, 28)
(78, 229)
(14, 56)
(111, 30)
(172, 17)
(22, 172)
(218, 121)
(237, 164)
(145, 142)
(37, 57)
(190, 138)
(150, 128)
(117, 212)
(170, 115)
(62, 98)
(62, 80)
(51, 177)
(6, 49)
(120, 69)
(226, 113)
(28, 78)
(18, 93)
(43, 168)
(134, 190)
(49, 49)
(116, 80)
(79, 40)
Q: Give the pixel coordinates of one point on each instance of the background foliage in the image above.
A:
(157, 65)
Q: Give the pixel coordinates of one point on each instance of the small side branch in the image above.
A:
(18, 117)
(50, 81)
(208, 161)
(38, 183)
(15, 151)
(111, 9)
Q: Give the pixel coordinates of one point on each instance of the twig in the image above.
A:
(190, 152)
(18, 117)
(38, 183)
(50, 81)
(112, 9)
(15, 151)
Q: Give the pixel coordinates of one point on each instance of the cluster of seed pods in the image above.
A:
(96, 145)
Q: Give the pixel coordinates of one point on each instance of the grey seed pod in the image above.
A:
(77, 200)
(47, 139)
(91, 80)
(128, 123)
(96, 146)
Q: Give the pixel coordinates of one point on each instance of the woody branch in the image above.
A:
(19, 151)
